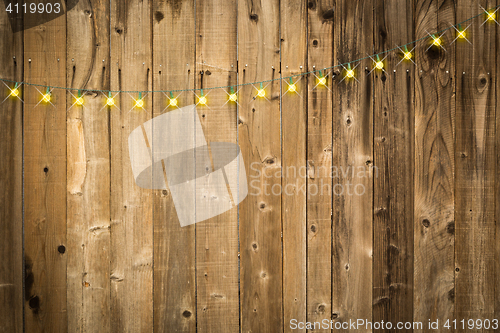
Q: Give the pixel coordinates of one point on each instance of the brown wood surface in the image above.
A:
(44, 133)
(475, 161)
(293, 153)
(260, 141)
(11, 178)
(497, 180)
(434, 166)
(217, 238)
(352, 151)
(102, 254)
(88, 169)
(131, 253)
(174, 246)
(393, 123)
(319, 163)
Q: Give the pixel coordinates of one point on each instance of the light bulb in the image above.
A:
(139, 103)
(322, 81)
(79, 101)
(110, 101)
(461, 34)
(46, 98)
(407, 55)
(14, 92)
(350, 73)
(233, 97)
(379, 65)
(491, 16)
(436, 41)
(173, 101)
(261, 93)
(202, 100)
(292, 88)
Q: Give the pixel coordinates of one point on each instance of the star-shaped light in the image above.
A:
(261, 92)
(110, 101)
(233, 97)
(202, 99)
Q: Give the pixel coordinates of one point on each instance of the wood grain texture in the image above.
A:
(11, 177)
(352, 153)
(88, 169)
(393, 126)
(497, 180)
(434, 166)
(259, 139)
(174, 246)
(377, 199)
(45, 177)
(131, 206)
(319, 163)
(217, 238)
(293, 27)
(475, 162)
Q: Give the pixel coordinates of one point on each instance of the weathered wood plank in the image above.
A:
(88, 185)
(11, 168)
(293, 30)
(475, 162)
(174, 246)
(352, 152)
(259, 139)
(131, 206)
(217, 238)
(319, 163)
(45, 178)
(497, 180)
(434, 166)
(393, 161)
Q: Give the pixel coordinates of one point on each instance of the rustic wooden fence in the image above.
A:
(84, 249)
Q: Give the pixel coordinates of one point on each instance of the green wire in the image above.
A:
(405, 46)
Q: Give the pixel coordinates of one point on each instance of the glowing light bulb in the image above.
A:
(79, 100)
(202, 99)
(461, 34)
(261, 92)
(173, 101)
(407, 55)
(436, 41)
(110, 101)
(232, 96)
(14, 92)
(47, 96)
(491, 16)
(322, 81)
(349, 72)
(139, 103)
(379, 64)
(292, 87)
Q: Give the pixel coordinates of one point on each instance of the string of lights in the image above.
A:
(347, 68)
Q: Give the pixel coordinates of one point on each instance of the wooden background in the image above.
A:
(83, 249)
